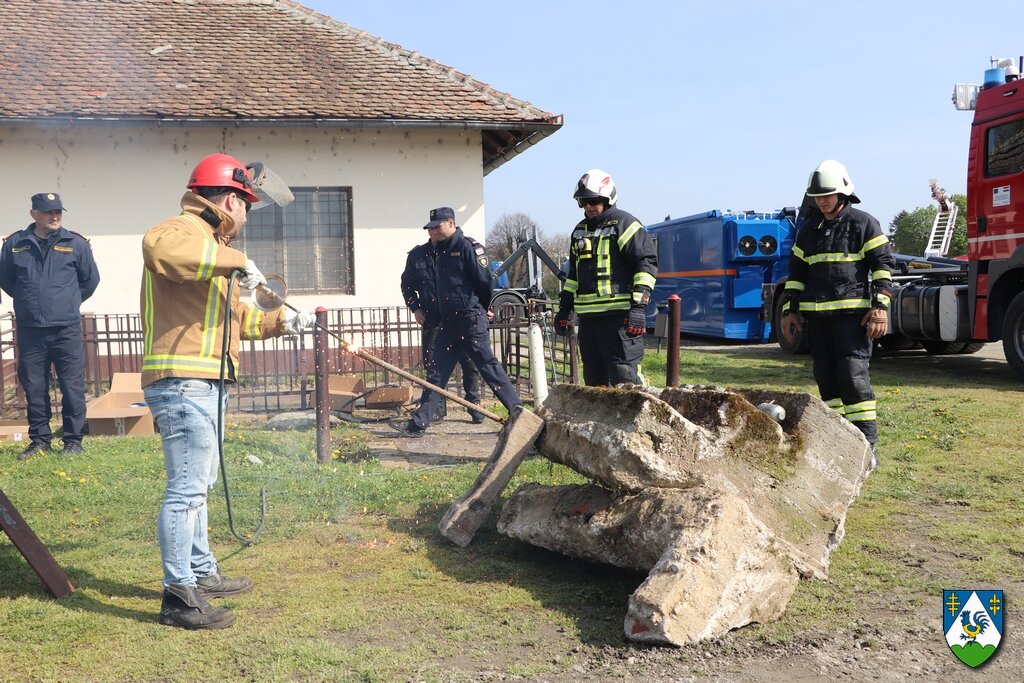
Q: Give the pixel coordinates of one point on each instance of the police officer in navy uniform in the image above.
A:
(49, 271)
(463, 290)
(419, 289)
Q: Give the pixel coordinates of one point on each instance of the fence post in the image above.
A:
(323, 399)
(90, 340)
(675, 306)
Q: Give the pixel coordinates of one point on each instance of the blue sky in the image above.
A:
(693, 106)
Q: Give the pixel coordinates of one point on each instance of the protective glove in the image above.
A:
(636, 321)
(563, 319)
(297, 321)
(251, 277)
(876, 322)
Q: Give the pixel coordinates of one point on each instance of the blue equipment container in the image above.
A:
(502, 281)
(719, 264)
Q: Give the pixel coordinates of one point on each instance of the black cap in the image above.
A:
(46, 201)
(438, 215)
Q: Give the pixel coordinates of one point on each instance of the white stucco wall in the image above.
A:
(118, 181)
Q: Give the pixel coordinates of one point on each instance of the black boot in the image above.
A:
(185, 607)
(216, 585)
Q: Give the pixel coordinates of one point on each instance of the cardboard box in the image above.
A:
(389, 397)
(122, 410)
(342, 389)
(14, 430)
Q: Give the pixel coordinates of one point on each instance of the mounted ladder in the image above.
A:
(945, 222)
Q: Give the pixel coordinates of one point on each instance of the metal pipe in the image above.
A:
(675, 306)
(320, 386)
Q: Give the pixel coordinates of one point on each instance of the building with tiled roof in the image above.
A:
(112, 102)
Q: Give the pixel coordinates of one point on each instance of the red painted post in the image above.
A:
(675, 307)
(320, 383)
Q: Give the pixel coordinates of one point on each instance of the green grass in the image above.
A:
(354, 582)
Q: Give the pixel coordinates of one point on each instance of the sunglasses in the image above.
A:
(248, 204)
(592, 202)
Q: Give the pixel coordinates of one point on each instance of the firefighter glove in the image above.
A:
(297, 321)
(636, 321)
(251, 276)
(563, 321)
(876, 322)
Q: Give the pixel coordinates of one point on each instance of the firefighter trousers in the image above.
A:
(841, 352)
(610, 356)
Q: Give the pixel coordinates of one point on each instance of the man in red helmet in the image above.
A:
(188, 262)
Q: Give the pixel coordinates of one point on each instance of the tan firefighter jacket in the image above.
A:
(184, 292)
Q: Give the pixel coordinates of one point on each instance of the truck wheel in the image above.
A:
(942, 348)
(896, 342)
(789, 338)
(973, 347)
(508, 307)
(1013, 335)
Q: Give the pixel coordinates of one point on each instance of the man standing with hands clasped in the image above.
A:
(840, 281)
(49, 271)
(188, 261)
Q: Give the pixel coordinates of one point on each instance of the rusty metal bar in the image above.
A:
(675, 306)
(323, 398)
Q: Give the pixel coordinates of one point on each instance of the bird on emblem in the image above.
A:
(972, 631)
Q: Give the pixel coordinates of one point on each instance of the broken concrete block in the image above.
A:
(725, 506)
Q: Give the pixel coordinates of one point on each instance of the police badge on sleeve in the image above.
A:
(973, 623)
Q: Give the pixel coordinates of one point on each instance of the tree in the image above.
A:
(909, 231)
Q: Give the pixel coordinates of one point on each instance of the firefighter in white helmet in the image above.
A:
(838, 293)
(613, 263)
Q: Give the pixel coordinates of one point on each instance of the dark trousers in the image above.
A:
(470, 375)
(609, 355)
(38, 348)
(841, 352)
(464, 335)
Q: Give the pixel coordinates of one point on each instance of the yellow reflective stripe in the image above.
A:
(209, 257)
(147, 313)
(570, 286)
(795, 284)
(863, 405)
(880, 275)
(211, 316)
(604, 266)
(174, 362)
(644, 280)
(839, 305)
(798, 252)
(834, 257)
(628, 233)
(592, 303)
(863, 416)
(883, 299)
(252, 321)
(785, 307)
(874, 243)
(835, 404)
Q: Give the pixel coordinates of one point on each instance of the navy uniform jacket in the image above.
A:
(449, 280)
(48, 289)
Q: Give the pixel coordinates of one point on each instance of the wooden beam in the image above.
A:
(33, 550)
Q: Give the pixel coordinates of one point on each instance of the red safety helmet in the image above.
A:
(223, 170)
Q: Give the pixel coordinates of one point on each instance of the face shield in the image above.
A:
(268, 186)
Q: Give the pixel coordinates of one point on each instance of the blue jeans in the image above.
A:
(185, 411)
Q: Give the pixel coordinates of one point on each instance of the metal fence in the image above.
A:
(277, 374)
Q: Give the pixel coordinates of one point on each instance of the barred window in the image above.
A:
(308, 242)
(1005, 149)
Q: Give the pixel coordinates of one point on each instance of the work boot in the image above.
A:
(476, 417)
(33, 448)
(216, 585)
(185, 607)
(408, 429)
(72, 448)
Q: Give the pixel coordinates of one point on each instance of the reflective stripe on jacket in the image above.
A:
(612, 257)
(184, 295)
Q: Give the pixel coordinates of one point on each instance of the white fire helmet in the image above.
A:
(594, 184)
(831, 177)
